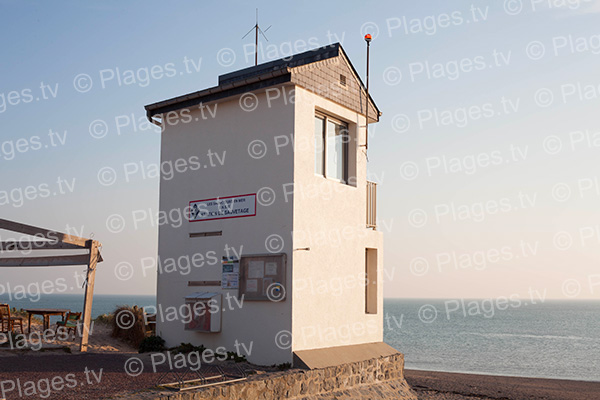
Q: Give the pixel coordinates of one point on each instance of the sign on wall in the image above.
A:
(262, 277)
(230, 277)
(223, 207)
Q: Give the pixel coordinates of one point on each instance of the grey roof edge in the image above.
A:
(269, 70)
(296, 60)
(220, 94)
(214, 90)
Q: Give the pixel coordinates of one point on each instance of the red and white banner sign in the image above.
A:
(223, 207)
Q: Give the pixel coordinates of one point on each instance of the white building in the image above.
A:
(273, 166)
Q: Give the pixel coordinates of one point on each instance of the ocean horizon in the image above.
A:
(555, 339)
(102, 303)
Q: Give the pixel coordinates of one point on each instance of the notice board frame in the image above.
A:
(250, 272)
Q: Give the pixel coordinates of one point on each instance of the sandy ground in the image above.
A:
(53, 373)
(101, 374)
(100, 340)
(108, 380)
(452, 386)
(85, 375)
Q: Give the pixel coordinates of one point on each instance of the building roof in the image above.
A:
(308, 57)
(319, 70)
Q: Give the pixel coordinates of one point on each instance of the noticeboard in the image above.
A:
(262, 277)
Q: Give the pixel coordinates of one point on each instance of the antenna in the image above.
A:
(257, 29)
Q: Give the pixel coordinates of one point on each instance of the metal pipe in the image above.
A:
(368, 40)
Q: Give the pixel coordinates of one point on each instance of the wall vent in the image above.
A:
(204, 234)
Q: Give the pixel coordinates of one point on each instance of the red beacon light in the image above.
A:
(368, 37)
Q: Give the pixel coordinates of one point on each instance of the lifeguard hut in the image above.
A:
(281, 228)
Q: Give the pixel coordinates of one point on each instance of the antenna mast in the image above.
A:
(368, 40)
(257, 29)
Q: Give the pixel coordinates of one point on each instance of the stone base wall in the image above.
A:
(381, 378)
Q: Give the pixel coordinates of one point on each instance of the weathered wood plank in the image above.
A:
(11, 245)
(41, 232)
(46, 261)
(89, 293)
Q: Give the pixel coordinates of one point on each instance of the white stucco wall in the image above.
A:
(325, 305)
(330, 219)
(257, 323)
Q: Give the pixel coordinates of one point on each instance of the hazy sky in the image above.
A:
(486, 153)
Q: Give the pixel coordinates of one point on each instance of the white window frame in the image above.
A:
(345, 148)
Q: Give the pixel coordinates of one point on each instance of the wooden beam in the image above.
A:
(42, 233)
(89, 293)
(11, 245)
(49, 261)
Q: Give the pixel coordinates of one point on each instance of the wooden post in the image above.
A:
(89, 293)
(60, 241)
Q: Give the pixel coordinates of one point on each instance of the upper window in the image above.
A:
(331, 148)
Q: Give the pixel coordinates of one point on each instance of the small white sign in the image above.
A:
(223, 207)
(271, 268)
(252, 285)
(256, 269)
(230, 280)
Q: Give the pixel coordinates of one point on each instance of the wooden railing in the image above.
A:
(371, 205)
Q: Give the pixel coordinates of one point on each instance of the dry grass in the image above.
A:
(128, 325)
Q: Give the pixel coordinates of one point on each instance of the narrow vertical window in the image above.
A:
(371, 281)
(319, 146)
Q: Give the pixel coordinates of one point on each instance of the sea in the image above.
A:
(539, 339)
(549, 339)
(102, 303)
